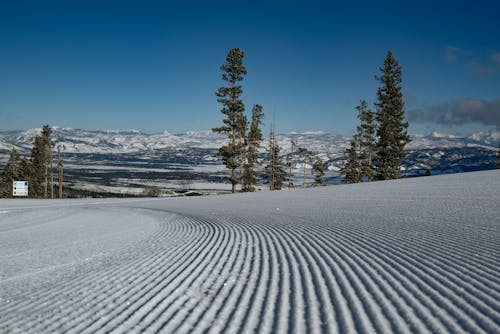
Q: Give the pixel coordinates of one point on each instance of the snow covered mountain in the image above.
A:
(129, 161)
(128, 141)
(109, 142)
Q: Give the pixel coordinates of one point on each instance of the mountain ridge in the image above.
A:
(133, 141)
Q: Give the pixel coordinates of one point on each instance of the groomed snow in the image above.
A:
(409, 256)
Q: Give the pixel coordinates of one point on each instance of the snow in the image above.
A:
(436, 134)
(333, 168)
(133, 141)
(416, 255)
(490, 137)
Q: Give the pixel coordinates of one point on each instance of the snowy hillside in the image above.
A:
(419, 255)
(110, 163)
(105, 142)
(132, 141)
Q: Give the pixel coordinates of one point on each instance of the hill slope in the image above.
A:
(414, 256)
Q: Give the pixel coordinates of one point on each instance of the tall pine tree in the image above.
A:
(366, 138)
(41, 155)
(391, 132)
(233, 108)
(254, 139)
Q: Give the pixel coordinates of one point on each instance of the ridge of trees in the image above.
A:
(38, 170)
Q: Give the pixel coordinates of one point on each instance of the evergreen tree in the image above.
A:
(9, 174)
(391, 132)
(318, 172)
(352, 169)
(36, 185)
(25, 171)
(279, 169)
(254, 140)
(275, 169)
(41, 155)
(366, 138)
(233, 108)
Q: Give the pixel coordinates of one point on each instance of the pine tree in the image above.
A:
(233, 108)
(41, 155)
(391, 132)
(275, 169)
(36, 185)
(352, 169)
(9, 174)
(254, 140)
(278, 168)
(318, 171)
(25, 171)
(366, 137)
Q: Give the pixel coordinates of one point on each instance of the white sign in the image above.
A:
(20, 188)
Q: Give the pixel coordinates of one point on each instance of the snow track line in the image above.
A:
(430, 290)
(445, 277)
(274, 267)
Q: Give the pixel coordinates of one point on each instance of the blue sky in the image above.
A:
(154, 65)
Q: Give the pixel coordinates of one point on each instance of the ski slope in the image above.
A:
(407, 256)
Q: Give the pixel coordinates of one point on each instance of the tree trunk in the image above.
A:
(51, 176)
(59, 170)
(233, 169)
(46, 181)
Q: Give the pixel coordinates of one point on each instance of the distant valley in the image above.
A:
(125, 163)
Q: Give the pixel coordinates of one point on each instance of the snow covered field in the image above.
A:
(412, 256)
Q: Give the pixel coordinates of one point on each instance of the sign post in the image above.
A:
(20, 188)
